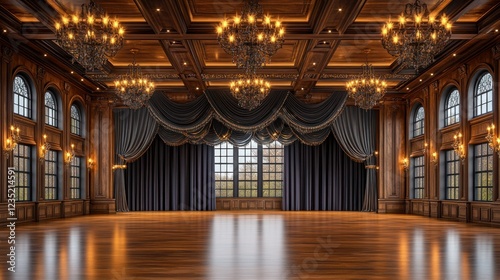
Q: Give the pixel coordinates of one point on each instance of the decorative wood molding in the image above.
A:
(7, 54)
(496, 52)
(40, 73)
(435, 85)
(462, 71)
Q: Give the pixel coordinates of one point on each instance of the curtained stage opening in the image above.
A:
(171, 178)
(322, 177)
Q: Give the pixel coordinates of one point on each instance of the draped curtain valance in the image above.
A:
(215, 116)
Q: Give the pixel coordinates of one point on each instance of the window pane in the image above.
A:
(418, 177)
(483, 172)
(51, 175)
(483, 95)
(418, 122)
(259, 169)
(50, 109)
(452, 175)
(76, 178)
(76, 120)
(22, 166)
(22, 97)
(452, 108)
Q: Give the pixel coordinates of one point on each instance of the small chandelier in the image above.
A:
(493, 141)
(366, 89)
(417, 37)
(249, 90)
(250, 46)
(90, 37)
(134, 89)
(12, 141)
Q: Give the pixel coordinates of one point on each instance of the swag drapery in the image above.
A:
(215, 117)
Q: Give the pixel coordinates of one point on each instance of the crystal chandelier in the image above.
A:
(134, 88)
(249, 91)
(366, 89)
(417, 37)
(250, 46)
(90, 37)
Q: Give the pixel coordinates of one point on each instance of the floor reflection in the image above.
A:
(260, 245)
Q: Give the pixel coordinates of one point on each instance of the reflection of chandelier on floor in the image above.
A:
(250, 91)
(417, 37)
(250, 48)
(366, 89)
(90, 37)
(134, 88)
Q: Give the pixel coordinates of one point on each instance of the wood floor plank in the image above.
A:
(253, 245)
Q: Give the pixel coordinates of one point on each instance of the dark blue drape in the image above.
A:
(322, 177)
(171, 178)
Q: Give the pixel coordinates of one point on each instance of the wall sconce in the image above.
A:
(68, 158)
(405, 164)
(492, 142)
(90, 163)
(458, 146)
(11, 142)
(44, 148)
(434, 158)
(373, 166)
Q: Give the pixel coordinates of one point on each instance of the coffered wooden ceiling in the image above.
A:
(177, 43)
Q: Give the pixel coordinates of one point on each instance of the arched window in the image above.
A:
(50, 109)
(22, 97)
(452, 108)
(483, 95)
(76, 120)
(418, 121)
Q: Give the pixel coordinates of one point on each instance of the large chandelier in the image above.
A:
(417, 37)
(366, 89)
(90, 37)
(250, 46)
(249, 90)
(134, 88)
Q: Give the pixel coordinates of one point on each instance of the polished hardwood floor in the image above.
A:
(253, 245)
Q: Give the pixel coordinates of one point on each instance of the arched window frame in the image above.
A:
(22, 97)
(418, 121)
(483, 94)
(51, 109)
(76, 123)
(452, 108)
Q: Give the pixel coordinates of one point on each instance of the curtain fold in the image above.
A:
(354, 130)
(172, 178)
(134, 132)
(322, 177)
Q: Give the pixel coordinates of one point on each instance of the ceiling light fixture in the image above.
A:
(417, 37)
(90, 37)
(134, 88)
(250, 46)
(366, 89)
(250, 91)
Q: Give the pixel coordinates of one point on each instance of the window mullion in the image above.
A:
(235, 171)
(259, 170)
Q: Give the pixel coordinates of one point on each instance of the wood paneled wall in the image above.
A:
(98, 195)
(431, 95)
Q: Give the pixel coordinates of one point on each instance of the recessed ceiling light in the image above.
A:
(5, 30)
(197, 88)
(454, 54)
(185, 63)
(407, 88)
(45, 54)
(173, 42)
(97, 88)
(340, 9)
(324, 42)
(301, 88)
(329, 31)
(314, 63)
(420, 80)
(81, 80)
(496, 30)
(432, 74)
(72, 72)
(168, 30)
(158, 9)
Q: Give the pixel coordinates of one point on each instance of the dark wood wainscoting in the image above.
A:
(248, 204)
